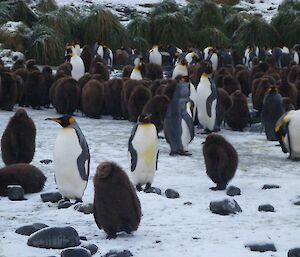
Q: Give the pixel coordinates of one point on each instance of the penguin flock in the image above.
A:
(203, 90)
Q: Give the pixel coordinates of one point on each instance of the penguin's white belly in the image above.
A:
(202, 94)
(296, 58)
(136, 74)
(66, 151)
(145, 143)
(179, 70)
(294, 128)
(214, 61)
(186, 135)
(155, 58)
(77, 67)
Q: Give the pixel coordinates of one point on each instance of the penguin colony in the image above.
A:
(203, 89)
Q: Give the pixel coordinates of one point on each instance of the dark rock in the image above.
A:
(225, 207)
(52, 197)
(54, 237)
(294, 252)
(233, 191)
(91, 247)
(83, 238)
(157, 242)
(187, 203)
(30, 229)
(266, 208)
(46, 161)
(85, 208)
(153, 190)
(270, 186)
(124, 253)
(15, 193)
(262, 247)
(297, 203)
(170, 193)
(75, 252)
(64, 204)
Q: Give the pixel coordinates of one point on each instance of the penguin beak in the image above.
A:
(54, 119)
(148, 116)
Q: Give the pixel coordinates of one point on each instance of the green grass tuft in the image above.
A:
(210, 37)
(166, 6)
(46, 6)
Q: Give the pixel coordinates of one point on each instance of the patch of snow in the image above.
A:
(12, 26)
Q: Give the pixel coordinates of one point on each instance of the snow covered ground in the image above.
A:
(168, 226)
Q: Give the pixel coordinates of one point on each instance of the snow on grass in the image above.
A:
(168, 227)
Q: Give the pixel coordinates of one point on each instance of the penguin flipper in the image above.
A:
(132, 151)
(190, 123)
(156, 159)
(211, 98)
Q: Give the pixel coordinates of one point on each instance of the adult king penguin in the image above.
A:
(287, 129)
(181, 68)
(179, 124)
(143, 150)
(155, 55)
(77, 63)
(207, 101)
(71, 159)
(137, 70)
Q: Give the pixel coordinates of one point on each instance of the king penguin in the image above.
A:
(287, 129)
(155, 55)
(71, 159)
(106, 53)
(77, 64)
(181, 68)
(207, 101)
(143, 150)
(179, 124)
(136, 72)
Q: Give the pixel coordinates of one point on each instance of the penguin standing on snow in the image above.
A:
(143, 150)
(77, 63)
(179, 125)
(71, 159)
(287, 129)
(207, 101)
(155, 56)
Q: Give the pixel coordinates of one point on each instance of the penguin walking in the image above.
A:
(179, 124)
(207, 101)
(287, 128)
(155, 55)
(71, 159)
(77, 64)
(272, 110)
(143, 150)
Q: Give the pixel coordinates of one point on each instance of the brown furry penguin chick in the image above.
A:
(8, 92)
(221, 160)
(101, 69)
(18, 139)
(112, 96)
(92, 99)
(230, 84)
(116, 205)
(153, 71)
(224, 103)
(28, 176)
(237, 117)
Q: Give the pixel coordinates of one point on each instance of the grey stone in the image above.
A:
(63, 204)
(294, 252)
(46, 161)
(266, 208)
(15, 193)
(171, 193)
(30, 229)
(262, 247)
(270, 186)
(297, 203)
(75, 252)
(91, 247)
(52, 197)
(233, 191)
(54, 237)
(124, 253)
(225, 207)
(188, 203)
(85, 208)
(83, 238)
(153, 190)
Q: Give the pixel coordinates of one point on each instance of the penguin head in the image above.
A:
(272, 89)
(21, 113)
(64, 121)
(104, 170)
(145, 118)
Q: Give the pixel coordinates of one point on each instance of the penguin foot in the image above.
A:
(218, 188)
(206, 132)
(111, 236)
(182, 153)
(161, 137)
(77, 200)
(148, 188)
(139, 187)
(66, 199)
